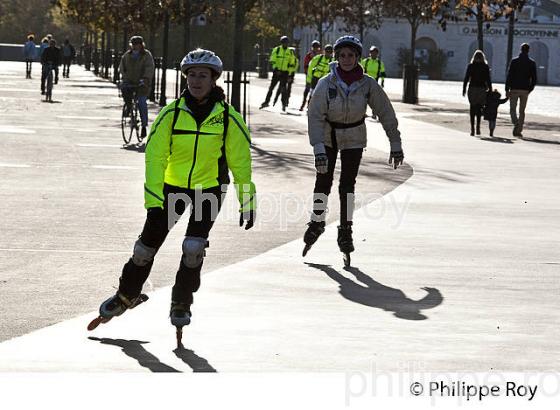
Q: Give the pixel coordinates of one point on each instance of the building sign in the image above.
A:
(502, 31)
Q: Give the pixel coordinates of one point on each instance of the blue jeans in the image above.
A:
(143, 108)
(128, 93)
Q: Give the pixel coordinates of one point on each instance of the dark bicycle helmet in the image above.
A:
(136, 40)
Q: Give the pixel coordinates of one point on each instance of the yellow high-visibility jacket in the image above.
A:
(318, 67)
(374, 68)
(282, 58)
(188, 156)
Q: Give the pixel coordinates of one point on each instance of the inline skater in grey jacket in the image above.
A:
(336, 123)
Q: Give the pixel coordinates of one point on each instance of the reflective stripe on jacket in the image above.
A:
(195, 157)
(282, 58)
(293, 66)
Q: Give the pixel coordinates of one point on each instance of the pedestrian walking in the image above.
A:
(493, 101)
(29, 51)
(193, 143)
(44, 44)
(478, 79)
(87, 49)
(137, 70)
(68, 54)
(521, 81)
(336, 123)
(315, 50)
(281, 58)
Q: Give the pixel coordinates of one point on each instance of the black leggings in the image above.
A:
(475, 112)
(282, 78)
(205, 206)
(350, 164)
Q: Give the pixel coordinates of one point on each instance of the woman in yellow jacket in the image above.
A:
(193, 144)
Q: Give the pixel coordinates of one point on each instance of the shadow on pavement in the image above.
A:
(140, 148)
(282, 160)
(287, 161)
(497, 139)
(540, 141)
(541, 126)
(276, 131)
(104, 86)
(376, 295)
(134, 349)
(197, 363)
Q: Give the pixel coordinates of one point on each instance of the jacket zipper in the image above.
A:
(194, 156)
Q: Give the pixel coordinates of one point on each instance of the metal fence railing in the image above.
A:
(106, 65)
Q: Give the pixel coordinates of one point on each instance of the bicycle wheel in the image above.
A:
(125, 124)
(48, 95)
(135, 122)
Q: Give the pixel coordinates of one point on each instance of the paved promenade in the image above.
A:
(455, 269)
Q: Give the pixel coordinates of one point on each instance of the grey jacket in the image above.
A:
(334, 101)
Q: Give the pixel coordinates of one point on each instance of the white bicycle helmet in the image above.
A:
(348, 41)
(202, 58)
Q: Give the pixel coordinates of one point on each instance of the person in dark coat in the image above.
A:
(478, 79)
(493, 101)
(521, 80)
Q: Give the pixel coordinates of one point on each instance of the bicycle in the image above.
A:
(130, 120)
(50, 80)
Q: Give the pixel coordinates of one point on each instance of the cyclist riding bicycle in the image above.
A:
(137, 71)
(50, 59)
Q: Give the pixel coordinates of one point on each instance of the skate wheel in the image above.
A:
(96, 322)
(347, 260)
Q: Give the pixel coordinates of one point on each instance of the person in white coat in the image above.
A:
(336, 123)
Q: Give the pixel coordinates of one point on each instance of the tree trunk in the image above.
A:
(413, 31)
(511, 28)
(125, 40)
(162, 88)
(103, 53)
(237, 54)
(187, 26)
(479, 25)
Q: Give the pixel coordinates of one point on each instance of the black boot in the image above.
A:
(180, 314)
(345, 242)
(314, 230)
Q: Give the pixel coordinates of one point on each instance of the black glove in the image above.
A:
(396, 158)
(290, 79)
(321, 163)
(248, 216)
